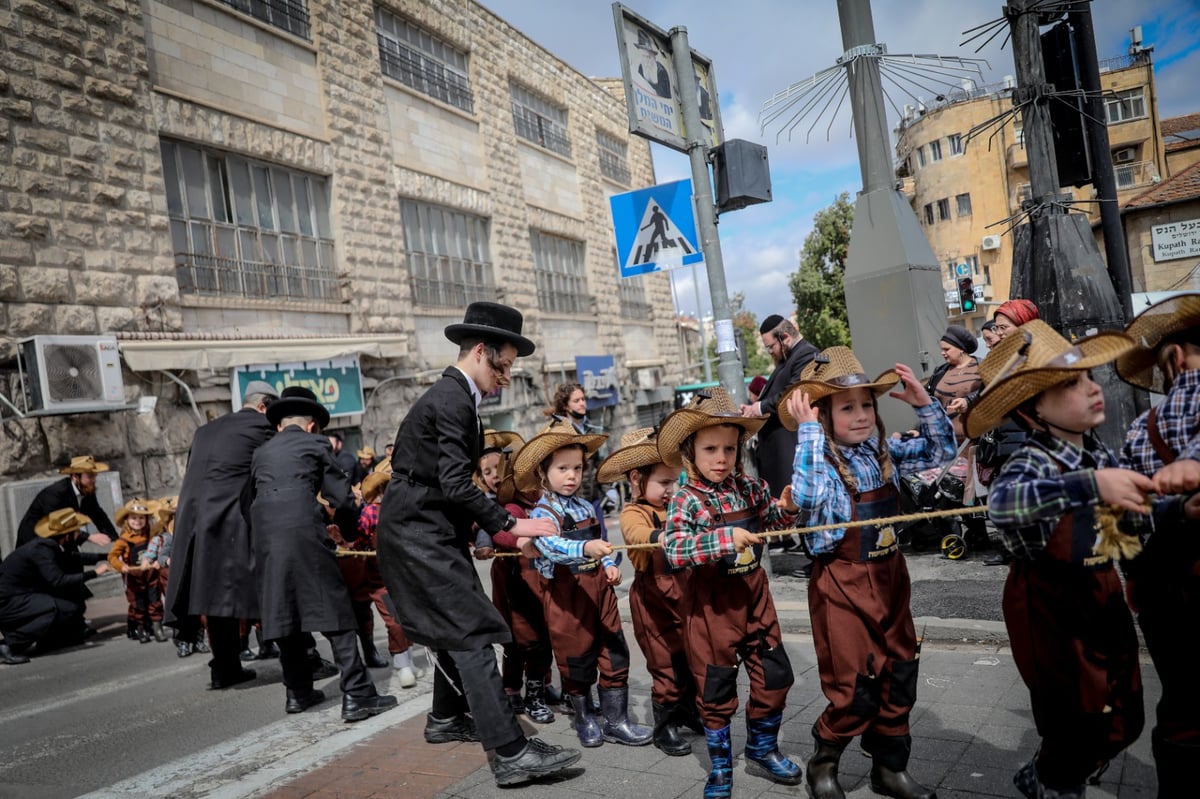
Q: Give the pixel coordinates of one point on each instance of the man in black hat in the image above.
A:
(301, 589)
(776, 445)
(424, 533)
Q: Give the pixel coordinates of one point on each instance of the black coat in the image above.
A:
(211, 566)
(301, 588)
(777, 444)
(426, 518)
(56, 496)
(33, 574)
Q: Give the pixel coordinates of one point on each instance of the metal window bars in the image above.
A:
(202, 274)
(289, 15)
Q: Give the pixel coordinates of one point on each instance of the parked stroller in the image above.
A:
(940, 489)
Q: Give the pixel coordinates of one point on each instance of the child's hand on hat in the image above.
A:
(744, 539)
(785, 500)
(800, 408)
(914, 393)
(1124, 488)
(1179, 477)
(597, 548)
(613, 574)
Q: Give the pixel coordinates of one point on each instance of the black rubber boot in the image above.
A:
(131, 630)
(157, 628)
(889, 768)
(144, 635)
(822, 770)
(267, 650)
(666, 734)
(614, 704)
(535, 703)
(586, 726)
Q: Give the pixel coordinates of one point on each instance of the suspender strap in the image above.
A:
(1164, 452)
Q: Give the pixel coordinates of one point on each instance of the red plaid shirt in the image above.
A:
(691, 536)
(368, 520)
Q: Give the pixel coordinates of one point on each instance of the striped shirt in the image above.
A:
(555, 548)
(823, 498)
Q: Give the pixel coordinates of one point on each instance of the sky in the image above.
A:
(760, 47)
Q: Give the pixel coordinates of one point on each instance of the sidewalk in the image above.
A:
(971, 730)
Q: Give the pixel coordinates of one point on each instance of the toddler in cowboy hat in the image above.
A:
(1163, 582)
(657, 595)
(845, 470)
(1072, 635)
(129, 556)
(489, 469)
(579, 573)
(711, 526)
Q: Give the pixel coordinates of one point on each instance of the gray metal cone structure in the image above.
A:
(894, 296)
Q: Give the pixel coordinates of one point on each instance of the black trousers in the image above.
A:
(49, 621)
(468, 681)
(297, 671)
(225, 642)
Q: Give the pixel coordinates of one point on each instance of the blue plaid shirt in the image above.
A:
(555, 548)
(1178, 424)
(821, 495)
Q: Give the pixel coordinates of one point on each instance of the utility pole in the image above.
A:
(729, 366)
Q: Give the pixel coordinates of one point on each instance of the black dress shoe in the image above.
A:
(322, 669)
(459, 728)
(357, 708)
(298, 702)
(537, 759)
(229, 680)
(9, 657)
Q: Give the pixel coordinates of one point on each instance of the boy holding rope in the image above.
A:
(845, 470)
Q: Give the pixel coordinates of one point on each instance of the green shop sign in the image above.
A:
(336, 382)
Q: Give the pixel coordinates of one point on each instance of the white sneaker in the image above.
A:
(408, 678)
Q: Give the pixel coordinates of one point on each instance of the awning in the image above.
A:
(197, 353)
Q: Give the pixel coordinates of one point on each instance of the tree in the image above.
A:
(746, 322)
(817, 285)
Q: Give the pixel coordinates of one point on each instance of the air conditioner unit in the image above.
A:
(1125, 155)
(991, 242)
(73, 374)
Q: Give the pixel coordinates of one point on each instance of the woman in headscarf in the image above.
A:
(956, 383)
(1012, 314)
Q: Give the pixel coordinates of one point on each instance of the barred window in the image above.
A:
(422, 61)
(614, 157)
(242, 228)
(943, 207)
(558, 268)
(632, 293)
(540, 121)
(449, 263)
(288, 15)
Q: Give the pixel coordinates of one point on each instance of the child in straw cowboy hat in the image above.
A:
(129, 556)
(1071, 633)
(1163, 582)
(845, 470)
(516, 586)
(711, 526)
(657, 595)
(579, 573)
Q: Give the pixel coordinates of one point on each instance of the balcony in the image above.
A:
(1136, 175)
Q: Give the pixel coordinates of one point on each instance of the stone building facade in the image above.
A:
(224, 183)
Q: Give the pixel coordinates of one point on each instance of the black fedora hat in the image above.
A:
(297, 401)
(494, 322)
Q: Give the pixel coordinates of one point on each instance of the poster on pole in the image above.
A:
(652, 91)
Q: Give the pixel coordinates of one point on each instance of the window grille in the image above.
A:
(447, 253)
(422, 61)
(632, 293)
(539, 120)
(242, 228)
(288, 15)
(558, 269)
(614, 159)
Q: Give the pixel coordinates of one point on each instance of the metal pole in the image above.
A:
(1116, 255)
(700, 324)
(866, 97)
(729, 366)
(1035, 117)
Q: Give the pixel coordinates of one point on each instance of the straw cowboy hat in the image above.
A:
(1030, 360)
(373, 485)
(297, 401)
(137, 507)
(501, 441)
(384, 466)
(60, 522)
(1149, 330)
(833, 370)
(491, 321)
(710, 407)
(639, 449)
(554, 436)
(366, 452)
(84, 464)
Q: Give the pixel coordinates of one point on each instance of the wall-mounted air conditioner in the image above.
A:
(991, 242)
(1125, 155)
(72, 374)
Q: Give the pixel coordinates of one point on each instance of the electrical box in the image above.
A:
(741, 174)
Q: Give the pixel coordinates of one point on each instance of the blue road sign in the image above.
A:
(962, 270)
(655, 228)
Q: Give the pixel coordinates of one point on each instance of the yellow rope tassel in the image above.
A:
(1110, 541)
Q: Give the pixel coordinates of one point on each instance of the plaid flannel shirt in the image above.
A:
(1178, 424)
(818, 490)
(368, 520)
(690, 537)
(555, 548)
(1040, 483)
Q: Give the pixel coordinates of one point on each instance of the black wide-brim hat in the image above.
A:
(493, 322)
(297, 401)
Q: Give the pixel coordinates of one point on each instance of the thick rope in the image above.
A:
(906, 517)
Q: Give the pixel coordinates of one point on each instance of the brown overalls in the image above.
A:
(517, 594)
(1073, 641)
(863, 631)
(730, 616)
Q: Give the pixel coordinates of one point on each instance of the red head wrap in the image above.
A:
(1019, 311)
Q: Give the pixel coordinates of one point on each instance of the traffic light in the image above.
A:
(966, 294)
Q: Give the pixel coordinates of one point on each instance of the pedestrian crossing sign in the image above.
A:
(655, 228)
